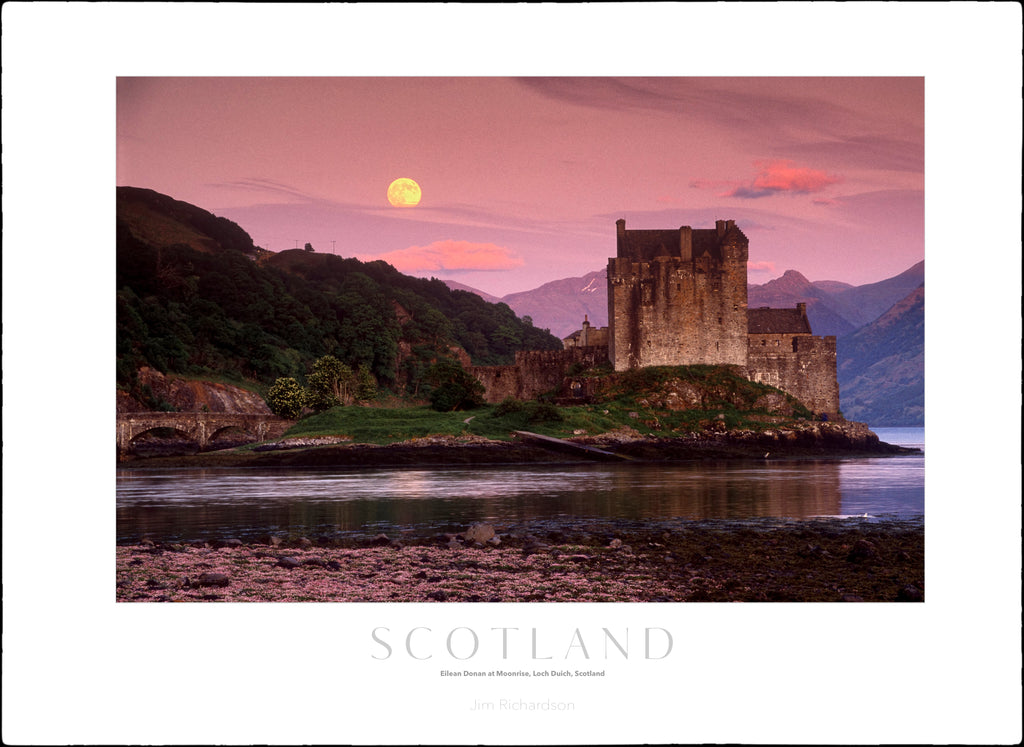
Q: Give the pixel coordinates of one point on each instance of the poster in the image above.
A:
(78, 668)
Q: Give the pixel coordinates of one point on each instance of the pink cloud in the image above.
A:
(782, 176)
(453, 255)
(773, 177)
(761, 267)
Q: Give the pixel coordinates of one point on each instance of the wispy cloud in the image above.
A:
(452, 255)
(268, 187)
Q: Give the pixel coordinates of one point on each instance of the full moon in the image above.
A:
(404, 193)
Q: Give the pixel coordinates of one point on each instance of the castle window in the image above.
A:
(719, 320)
(763, 343)
(794, 345)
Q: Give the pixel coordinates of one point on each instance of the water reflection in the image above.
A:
(205, 504)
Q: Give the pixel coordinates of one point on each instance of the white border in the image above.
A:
(78, 668)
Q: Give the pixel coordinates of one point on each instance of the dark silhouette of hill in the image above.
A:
(195, 296)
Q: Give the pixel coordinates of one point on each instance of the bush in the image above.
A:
(286, 398)
(454, 388)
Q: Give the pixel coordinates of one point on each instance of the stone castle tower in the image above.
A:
(678, 297)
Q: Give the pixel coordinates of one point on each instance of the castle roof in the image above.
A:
(765, 321)
(646, 244)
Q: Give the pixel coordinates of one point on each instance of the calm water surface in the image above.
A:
(190, 504)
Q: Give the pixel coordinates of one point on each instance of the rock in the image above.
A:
(454, 544)
(213, 579)
(319, 562)
(479, 533)
(231, 543)
(494, 541)
(274, 541)
(909, 593)
(440, 595)
(862, 550)
(851, 598)
(333, 565)
(305, 543)
(615, 544)
(288, 562)
(381, 540)
(532, 547)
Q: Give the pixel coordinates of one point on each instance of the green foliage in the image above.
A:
(366, 384)
(517, 414)
(286, 398)
(330, 383)
(453, 388)
(189, 309)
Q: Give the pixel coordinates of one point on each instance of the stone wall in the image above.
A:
(535, 372)
(802, 365)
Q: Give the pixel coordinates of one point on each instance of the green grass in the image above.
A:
(625, 404)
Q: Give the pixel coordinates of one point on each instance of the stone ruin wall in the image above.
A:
(799, 364)
(534, 372)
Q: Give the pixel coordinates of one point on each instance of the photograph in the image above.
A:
(530, 343)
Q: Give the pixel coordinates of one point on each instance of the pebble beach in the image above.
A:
(826, 560)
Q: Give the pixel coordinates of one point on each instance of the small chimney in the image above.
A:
(720, 225)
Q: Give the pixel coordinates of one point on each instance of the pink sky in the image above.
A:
(523, 179)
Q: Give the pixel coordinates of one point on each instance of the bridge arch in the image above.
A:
(202, 427)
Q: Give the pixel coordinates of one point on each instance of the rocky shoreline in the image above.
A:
(802, 440)
(827, 560)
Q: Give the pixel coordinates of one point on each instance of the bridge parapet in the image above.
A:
(201, 427)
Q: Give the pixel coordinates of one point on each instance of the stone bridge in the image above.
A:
(201, 427)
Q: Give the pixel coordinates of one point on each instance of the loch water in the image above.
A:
(207, 504)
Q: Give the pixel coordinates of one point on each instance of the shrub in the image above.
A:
(286, 398)
(454, 388)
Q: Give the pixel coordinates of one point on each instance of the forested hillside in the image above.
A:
(195, 297)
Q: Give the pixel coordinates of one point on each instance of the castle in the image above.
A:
(679, 297)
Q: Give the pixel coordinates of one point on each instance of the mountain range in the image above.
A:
(879, 330)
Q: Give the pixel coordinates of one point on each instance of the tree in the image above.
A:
(330, 383)
(308, 247)
(454, 388)
(366, 384)
(286, 398)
